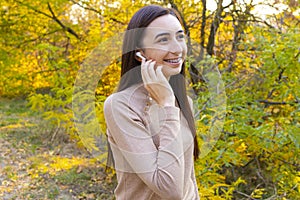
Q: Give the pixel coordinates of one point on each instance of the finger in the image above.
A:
(143, 70)
(143, 67)
(145, 74)
(143, 60)
(151, 72)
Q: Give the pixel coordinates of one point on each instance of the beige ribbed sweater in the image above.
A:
(152, 148)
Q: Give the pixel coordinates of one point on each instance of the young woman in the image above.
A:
(150, 125)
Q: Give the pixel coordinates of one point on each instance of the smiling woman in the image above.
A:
(166, 46)
(150, 126)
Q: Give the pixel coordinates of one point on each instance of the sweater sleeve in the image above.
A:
(162, 168)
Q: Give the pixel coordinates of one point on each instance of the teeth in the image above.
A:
(173, 60)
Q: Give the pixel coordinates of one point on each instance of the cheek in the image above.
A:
(156, 54)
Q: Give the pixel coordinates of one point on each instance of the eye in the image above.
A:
(181, 36)
(163, 40)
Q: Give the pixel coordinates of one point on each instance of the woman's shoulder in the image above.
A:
(133, 97)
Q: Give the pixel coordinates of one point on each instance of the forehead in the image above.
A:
(166, 22)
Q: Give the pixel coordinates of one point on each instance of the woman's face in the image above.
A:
(164, 42)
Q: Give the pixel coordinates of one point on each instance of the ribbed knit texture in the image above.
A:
(152, 148)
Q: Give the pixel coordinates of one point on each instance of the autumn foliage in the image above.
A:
(44, 44)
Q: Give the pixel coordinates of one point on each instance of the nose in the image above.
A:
(175, 47)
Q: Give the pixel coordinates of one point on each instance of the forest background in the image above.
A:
(253, 150)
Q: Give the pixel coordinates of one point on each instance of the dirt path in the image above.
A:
(32, 167)
(13, 170)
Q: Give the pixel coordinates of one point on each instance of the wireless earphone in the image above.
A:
(140, 55)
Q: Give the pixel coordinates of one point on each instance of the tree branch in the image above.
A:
(195, 74)
(245, 195)
(52, 16)
(202, 29)
(277, 102)
(68, 29)
(96, 11)
(34, 9)
(37, 38)
(214, 27)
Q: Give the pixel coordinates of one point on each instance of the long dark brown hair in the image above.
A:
(130, 72)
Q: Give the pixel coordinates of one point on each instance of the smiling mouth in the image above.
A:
(173, 61)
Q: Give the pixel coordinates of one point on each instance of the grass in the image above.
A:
(33, 167)
(71, 176)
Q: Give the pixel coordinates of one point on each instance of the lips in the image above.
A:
(173, 60)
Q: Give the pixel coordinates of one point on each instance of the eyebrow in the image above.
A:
(162, 34)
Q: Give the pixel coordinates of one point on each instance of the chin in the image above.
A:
(169, 71)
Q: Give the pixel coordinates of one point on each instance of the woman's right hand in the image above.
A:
(157, 84)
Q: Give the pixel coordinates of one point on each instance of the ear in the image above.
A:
(137, 57)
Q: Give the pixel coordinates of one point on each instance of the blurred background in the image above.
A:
(252, 44)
